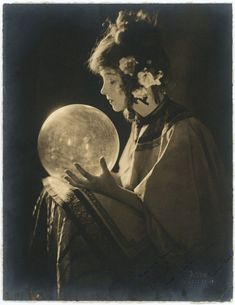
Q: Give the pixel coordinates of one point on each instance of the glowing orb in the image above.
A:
(77, 133)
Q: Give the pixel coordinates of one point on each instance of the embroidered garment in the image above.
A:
(171, 162)
(88, 244)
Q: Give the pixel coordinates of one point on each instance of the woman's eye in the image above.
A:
(112, 82)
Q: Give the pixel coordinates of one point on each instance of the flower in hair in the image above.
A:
(127, 65)
(146, 78)
(140, 93)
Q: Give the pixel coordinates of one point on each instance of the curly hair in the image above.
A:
(134, 34)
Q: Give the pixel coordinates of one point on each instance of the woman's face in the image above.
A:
(113, 90)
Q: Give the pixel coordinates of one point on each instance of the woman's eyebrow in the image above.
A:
(111, 73)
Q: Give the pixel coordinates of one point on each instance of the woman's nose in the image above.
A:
(102, 91)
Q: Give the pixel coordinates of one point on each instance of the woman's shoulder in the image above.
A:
(181, 117)
(191, 131)
(176, 111)
(169, 114)
(177, 117)
(192, 124)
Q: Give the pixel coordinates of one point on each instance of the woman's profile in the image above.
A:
(158, 229)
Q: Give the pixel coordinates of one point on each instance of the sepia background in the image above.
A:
(45, 49)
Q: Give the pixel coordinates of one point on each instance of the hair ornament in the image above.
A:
(127, 65)
(139, 93)
(146, 78)
(158, 77)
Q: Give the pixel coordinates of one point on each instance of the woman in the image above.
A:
(169, 175)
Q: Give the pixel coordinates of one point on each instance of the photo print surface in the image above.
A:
(117, 128)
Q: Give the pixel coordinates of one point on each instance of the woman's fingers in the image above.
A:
(68, 179)
(72, 176)
(73, 183)
(83, 172)
(74, 180)
(103, 165)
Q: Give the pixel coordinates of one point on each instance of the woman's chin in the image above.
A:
(116, 109)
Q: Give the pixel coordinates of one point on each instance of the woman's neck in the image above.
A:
(144, 109)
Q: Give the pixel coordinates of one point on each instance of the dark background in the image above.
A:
(45, 48)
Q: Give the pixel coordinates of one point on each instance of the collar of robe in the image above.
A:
(153, 116)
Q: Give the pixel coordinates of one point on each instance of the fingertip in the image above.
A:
(77, 165)
(102, 159)
(102, 162)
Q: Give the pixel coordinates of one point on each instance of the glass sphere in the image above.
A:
(77, 134)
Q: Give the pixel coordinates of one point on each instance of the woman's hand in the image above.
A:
(104, 184)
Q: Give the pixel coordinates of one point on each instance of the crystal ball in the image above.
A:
(77, 134)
